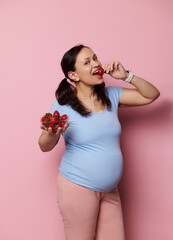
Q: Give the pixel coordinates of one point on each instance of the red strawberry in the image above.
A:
(100, 71)
(48, 115)
(63, 123)
(57, 126)
(64, 117)
(43, 120)
(56, 114)
(45, 124)
(52, 120)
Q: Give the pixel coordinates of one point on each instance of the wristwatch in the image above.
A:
(129, 77)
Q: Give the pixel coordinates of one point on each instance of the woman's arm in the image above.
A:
(47, 142)
(48, 139)
(144, 93)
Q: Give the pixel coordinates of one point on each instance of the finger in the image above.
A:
(65, 127)
(112, 66)
(106, 67)
(67, 124)
(116, 65)
(43, 128)
(59, 131)
(49, 130)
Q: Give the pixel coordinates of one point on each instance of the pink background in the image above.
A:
(34, 36)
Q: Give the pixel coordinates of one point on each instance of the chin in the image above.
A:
(101, 80)
(100, 83)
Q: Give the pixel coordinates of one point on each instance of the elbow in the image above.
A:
(158, 94)
(42, 148)
(155, 96)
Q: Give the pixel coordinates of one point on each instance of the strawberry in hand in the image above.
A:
(54, 121)
(101, 71)
(64, 117)
(116, 70)
(59, 125)
(56, 114)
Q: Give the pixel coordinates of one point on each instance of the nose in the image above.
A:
(96, 64)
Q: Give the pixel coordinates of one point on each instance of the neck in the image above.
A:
(86, 92)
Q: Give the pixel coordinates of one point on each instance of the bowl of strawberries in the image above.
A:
(54, 120)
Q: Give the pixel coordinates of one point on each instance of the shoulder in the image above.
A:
(55, 106)
(113, 89)
(62, 109)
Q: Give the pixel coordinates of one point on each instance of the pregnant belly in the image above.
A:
(102, 173)
(107, 174)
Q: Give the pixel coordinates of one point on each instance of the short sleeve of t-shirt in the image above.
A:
(62, 109)
(114, 94)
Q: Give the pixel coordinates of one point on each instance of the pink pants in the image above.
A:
(88, 214)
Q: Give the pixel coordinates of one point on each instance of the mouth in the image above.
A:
(95, 72)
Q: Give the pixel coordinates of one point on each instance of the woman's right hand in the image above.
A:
(59, 131)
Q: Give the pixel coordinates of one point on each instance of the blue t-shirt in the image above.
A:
(92, 156)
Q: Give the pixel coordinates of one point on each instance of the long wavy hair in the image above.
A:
(66, 93)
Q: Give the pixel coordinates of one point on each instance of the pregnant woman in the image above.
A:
(92, 163)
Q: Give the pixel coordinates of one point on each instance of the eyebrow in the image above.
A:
(88, 57)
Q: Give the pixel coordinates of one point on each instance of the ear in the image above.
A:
(73, 76)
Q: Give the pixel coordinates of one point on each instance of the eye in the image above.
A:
(86, 62)
(95, 58)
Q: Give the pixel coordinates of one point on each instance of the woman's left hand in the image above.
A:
(116, 70)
